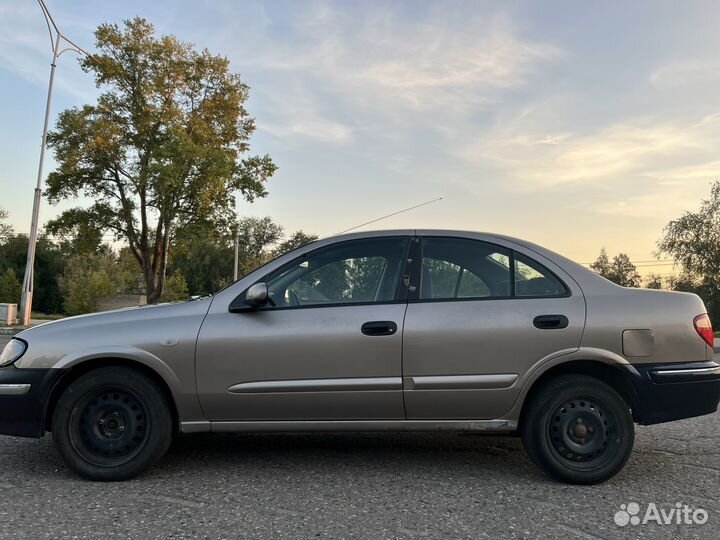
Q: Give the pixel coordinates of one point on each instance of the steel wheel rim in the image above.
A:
(109, 426)
(582, 433)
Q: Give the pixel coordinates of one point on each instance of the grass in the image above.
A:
(46, 316)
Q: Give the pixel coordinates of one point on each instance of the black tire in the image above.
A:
(111, 424)
(577, 429)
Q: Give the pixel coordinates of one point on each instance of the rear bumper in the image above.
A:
(23, 399)
(667, 392)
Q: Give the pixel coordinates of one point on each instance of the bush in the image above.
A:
(85, 281)
(175, 288)
(10, 287)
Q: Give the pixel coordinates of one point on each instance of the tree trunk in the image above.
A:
(153, 293)
(154, 266)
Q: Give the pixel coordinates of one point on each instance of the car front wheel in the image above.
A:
(111, 424)
(578, 430)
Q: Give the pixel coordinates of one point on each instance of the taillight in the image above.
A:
(704, 328)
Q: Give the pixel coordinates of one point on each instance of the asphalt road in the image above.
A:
(360, 486)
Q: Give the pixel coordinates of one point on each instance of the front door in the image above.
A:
(328, 346)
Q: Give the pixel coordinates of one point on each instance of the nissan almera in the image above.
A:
(389, 330)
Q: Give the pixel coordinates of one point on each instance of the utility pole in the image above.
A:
(57, 40)
(237, 252)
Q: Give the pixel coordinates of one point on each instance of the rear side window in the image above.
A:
(460, 268)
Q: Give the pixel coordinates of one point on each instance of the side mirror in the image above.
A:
(256, 296)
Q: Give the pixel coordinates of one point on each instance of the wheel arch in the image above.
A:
(605, 369)
(78, 369)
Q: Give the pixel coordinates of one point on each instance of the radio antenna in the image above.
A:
(390, 215)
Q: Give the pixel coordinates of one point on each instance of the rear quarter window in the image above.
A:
(533, 279)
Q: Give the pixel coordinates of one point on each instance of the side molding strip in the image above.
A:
(461, 382)
(14, 389)
(318, 385)
(365, 425)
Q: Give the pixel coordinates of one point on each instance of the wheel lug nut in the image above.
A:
(579, 420)
(116, 413)
(101, 421)
(122, 428)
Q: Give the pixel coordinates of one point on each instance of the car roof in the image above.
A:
(426, 232)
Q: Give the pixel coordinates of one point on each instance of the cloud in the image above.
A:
(635, 169)
(663, 201)
(22, 44)
(295, 114)
(318, 128)
(26, 49)
(430, 65)
(674, 190)
(384, 70)
(686, 73)
(652, 148)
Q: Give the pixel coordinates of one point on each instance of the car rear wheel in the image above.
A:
(111, 424)
(578, 430)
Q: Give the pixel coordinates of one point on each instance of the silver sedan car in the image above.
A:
(390, 330)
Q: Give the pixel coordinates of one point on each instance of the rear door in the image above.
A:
(482, 314)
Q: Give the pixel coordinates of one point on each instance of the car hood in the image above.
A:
(164, 333)
(138, 314)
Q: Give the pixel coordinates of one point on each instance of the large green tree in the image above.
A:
(296, 240)
(205, 256)
(164, 147)
(5, 229)
(257, 236)
(49, 264)
(693, 240)
(620, 270)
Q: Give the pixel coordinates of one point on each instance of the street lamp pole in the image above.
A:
(57, 39)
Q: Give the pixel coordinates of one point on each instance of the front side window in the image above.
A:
(357, 271)
(459, 268)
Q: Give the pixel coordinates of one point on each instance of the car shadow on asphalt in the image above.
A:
(352, 455)
(458, 452)
(342, 454)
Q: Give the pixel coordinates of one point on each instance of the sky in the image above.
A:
(571, 124)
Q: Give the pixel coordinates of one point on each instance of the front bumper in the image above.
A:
(667, 392)
(23, 398)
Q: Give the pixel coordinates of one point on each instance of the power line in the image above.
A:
(652, 261)
(644, 265)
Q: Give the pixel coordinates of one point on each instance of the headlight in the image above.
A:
(12, 352)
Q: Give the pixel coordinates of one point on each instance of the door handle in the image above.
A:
(550, 322)
(379, 328)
